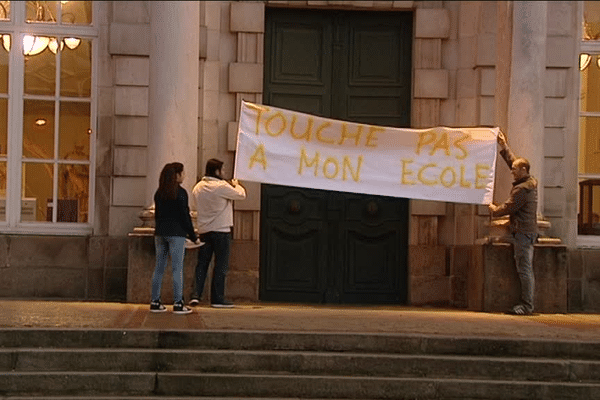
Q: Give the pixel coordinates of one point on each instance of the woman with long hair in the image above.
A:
(173, 225)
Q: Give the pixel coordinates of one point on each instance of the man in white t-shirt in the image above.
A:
(214, 198)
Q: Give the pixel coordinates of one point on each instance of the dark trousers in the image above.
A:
(218, 243)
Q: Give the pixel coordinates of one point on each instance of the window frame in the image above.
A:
(17, 27)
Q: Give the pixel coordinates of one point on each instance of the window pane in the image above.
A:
(76, 12)
(2, 191)
(74, 131)
(73, 193)
(4, 49)
(76, 68)
(42, 11)
(40, 68)
(588, 216)
(4, 10)
(590, 82)
(37, 190)
(38, 129)
(3, 127)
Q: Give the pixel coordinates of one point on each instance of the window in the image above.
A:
(47, 116)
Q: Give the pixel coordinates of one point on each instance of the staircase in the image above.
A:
(138, 364)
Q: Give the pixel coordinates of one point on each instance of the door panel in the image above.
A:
(324, 246)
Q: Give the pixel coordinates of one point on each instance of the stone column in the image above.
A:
(525, 119)
(173, 90)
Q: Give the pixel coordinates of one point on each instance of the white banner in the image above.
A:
(290, 148)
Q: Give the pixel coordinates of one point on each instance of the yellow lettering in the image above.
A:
(304, 160)
(425, 138)
(458, 145)
(347, 166)
(259, 157)
(479, 176)
(463, 183)
(320, 129)
(406, 173)
(330, 160)
(307, 132)
(441, 144)
(371, 136)
(348, 135)
(445, 183)
(271, 119)
(422, 179)
(259, 110)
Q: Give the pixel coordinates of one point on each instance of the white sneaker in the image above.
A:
(180, 308)
(224, 304)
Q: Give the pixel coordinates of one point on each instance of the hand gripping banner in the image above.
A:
(290, 148)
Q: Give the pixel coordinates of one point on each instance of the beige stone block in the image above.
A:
(103, 12)
(252, 201)
(560, 52)
(489, 17)
(245, 77)
(448, 112)
(210, 80)
(554, 175)
(101, 206)
(106, 101)
(131, 131)
(210, 110)
(212, 13)
(554, 202)
(232, 135)
(450, 54)
(128, 191)
(246, 16)
(555, 112)
(213, 44)
(560, 17)
(130, 12)
(467, 112)
(431, 83)
(467, 83)
(403, 5)
(384, 4)
(132, 71)
(224, 83)
(210, 140)
(122, 220)
(487, 111)
(467, 49)
(427, 207)
(129, 39)
(554, 142)
(425, 113)
(227, 107)
(429, 290)
(131, 100)
(130, 161)
(488, 82)
(486, 50)
(432, 23)
(428, 54)
(203, 42)
(250, 47)
(555, 82)
(469, 18)
(228, 48)
(104, 146)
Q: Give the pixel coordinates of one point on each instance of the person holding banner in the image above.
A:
(214, 205)
(521, 207)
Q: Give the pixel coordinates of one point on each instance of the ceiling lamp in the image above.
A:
(72, 43)
(33, 45)
(6, 42)
(584, 61)
(55, 44)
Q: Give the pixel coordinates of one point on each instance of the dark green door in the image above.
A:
(324, 246)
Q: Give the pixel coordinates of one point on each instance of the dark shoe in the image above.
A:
(180, 308)
(194, 302)
(222, 304)
(519, 309)
(156, 306)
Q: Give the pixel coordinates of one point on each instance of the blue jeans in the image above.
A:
(523, 248)
(165, 245)
(218, 243)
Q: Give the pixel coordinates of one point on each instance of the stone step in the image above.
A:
(299, 362)
(306, 341)
(83, 384)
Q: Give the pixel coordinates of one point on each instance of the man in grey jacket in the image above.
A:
(521, 207)
(214, 198)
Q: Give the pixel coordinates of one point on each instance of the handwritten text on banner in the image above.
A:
(286, 147)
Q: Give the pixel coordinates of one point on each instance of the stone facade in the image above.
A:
(462, 69)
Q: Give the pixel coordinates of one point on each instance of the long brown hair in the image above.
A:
(167, 183)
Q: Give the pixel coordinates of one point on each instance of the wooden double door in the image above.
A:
(321, 246)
